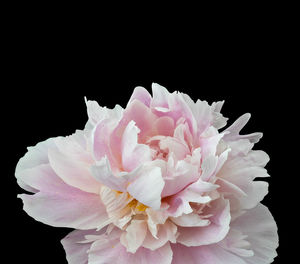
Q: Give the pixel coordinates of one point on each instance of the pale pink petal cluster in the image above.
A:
(156, 182)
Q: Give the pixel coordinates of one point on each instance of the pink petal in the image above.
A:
(134, 236)
(155, 218)
(76, 252)
(164, 126)
(166, 232)
(74, 172)
(148, 186)
(212, 254)
(103, 173)
(218, 120)
(101, 141)
(141, 94)
(261, 230)
(142, 116)
(235, 242)
(190, 220)
(180, 203)
(180, 149)
(133, 154)
(43, 178)
(237, 126)
(160, 96)
(183, 174)
(213, 233)
(95, 112)
(108, 249)
(209, 144)
(35, 156)
(62, 205)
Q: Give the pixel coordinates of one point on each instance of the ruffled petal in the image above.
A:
(141, 94)
(74, 172)
(35, 156)
(102, 172)
(61, 205)
(237, 126)
(260, 228)
(148, 186)
(166, 232)
(214, 232)
(212, 254)
(76, 250)
(133, 154)
(108, 249)
(134, 236)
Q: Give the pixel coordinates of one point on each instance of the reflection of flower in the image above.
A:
(155, 182)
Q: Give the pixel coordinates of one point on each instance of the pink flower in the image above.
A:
(156, 182)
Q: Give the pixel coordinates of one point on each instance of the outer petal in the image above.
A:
(260, 227)
(241, 168)
(213, 233)
(212, 254)
(108, 249)
(35, 156)
(59, 204)
(148, 186)
(76, 251)
(74, 172)
(237, 126)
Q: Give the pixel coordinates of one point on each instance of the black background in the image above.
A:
(47, 77)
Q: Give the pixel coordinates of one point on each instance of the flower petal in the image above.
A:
(35, 156)
(190, 220)
(258, 224)
(212, 254)
(65, 206)
(76, 252)
(103, 173)
(148, 186)
(213, 233)
(237, 126)
(74, 172)
(108, 249)
(133, 154)
(141, 94)
(134, 236)
(166, 232)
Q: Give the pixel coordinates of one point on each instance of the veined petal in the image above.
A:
(73, 172)
(141, 94)
(261, 230)
(76, 252)
(190, 220)
(103, 173)
(134, 236)
(69, 207)
(35, 156)
(213, 254)
(148, 186)
(166, 232)
(133, 154)
(213, 233)
(108, 249)
(237, 126)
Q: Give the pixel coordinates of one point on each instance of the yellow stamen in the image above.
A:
(141, 207)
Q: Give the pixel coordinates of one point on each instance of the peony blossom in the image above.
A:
(161, 181)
